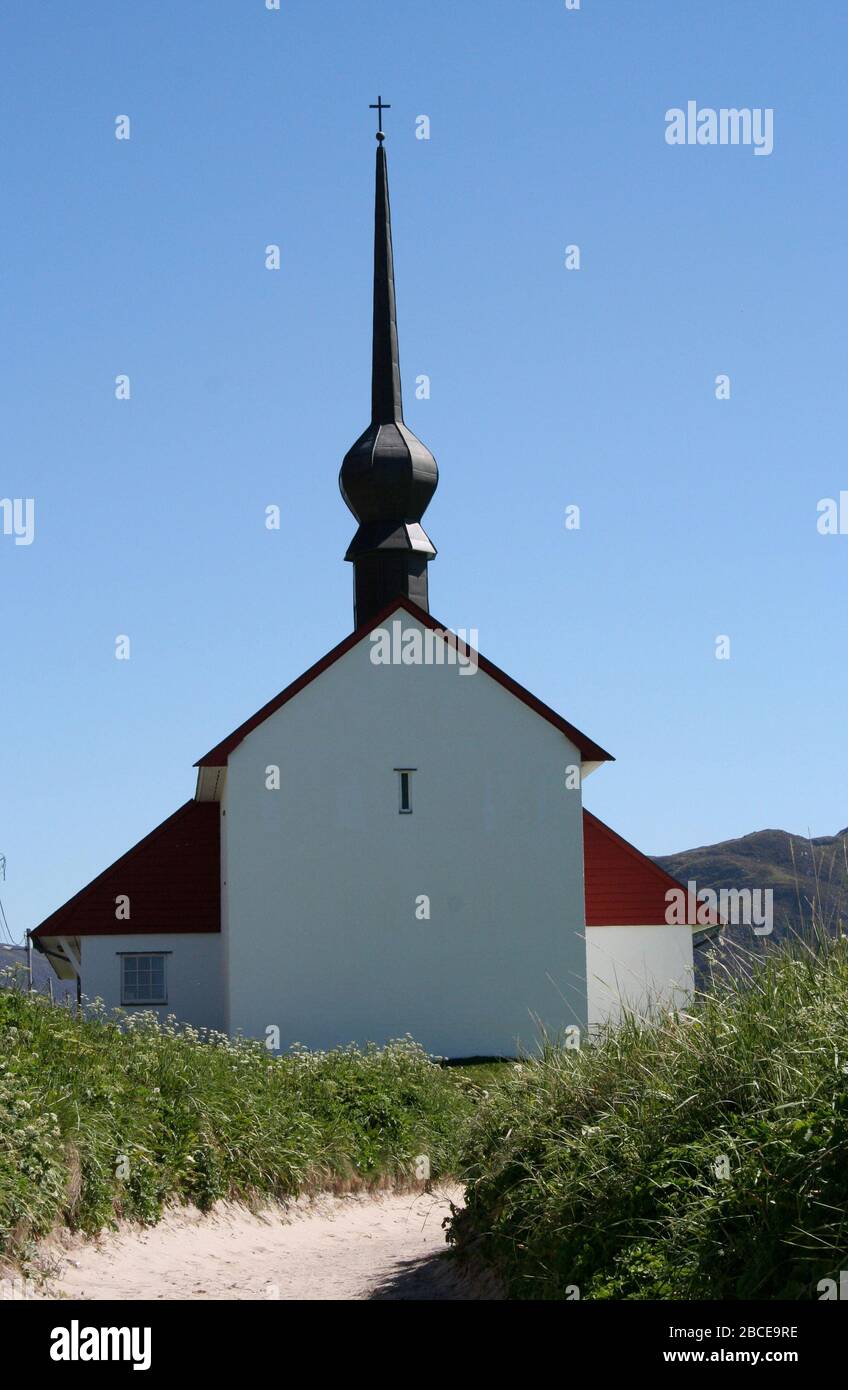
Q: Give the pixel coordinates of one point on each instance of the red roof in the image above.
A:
(171, 877)
(624, 888)
(173, 880)
(217, 757)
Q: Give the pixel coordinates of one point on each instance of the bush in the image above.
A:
(705, 1157)
(101, 1118)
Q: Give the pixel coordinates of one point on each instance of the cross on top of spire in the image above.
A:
(380, 106)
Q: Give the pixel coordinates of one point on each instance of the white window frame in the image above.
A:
(125, 956)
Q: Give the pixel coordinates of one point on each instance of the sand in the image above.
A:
(389, 1246)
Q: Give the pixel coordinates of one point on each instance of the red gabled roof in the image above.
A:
(171, 877)
(217, 757)
(624, 888)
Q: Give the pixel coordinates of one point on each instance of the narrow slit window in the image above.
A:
(405, 790)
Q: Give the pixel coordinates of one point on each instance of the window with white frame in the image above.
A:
(143, 978)
(405, 789)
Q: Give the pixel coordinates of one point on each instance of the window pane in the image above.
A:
(143, 979)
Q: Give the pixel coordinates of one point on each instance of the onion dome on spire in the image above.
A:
(388, 476)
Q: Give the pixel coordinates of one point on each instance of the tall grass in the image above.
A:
(100, 1120)
(703, 1157)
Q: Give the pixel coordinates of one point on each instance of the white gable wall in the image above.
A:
(225, 911)
(321, 877)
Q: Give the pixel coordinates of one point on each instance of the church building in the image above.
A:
(396, 843)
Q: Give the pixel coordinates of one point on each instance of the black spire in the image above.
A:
(386, 400)
(388, 476)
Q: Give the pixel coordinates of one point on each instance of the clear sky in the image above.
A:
(549, 388)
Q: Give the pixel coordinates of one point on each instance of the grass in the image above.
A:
(480, 1074)
(100, 1121)
(701, 1157)
(705, 1157)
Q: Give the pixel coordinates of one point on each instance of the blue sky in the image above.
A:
(549, 387)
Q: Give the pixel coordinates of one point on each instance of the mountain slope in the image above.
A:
(809, 878)
(14, 959)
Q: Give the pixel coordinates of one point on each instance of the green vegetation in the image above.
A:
(99, 1121)
(705, 1156)
(603, 1169)
(479, 1075)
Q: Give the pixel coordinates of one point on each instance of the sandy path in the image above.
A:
(354, 1247)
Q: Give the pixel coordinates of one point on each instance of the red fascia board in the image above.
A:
(217, 756)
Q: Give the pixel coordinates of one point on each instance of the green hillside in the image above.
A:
(809, 877)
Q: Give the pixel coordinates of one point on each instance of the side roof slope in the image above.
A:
(624, 888)
(171, 877)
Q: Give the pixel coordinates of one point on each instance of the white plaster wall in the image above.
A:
(644, 966)
(322, 876)
(225, 914)
(193, 974)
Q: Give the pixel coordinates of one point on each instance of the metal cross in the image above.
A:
(380, 106)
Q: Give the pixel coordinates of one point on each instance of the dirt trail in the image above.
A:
(357, 1247)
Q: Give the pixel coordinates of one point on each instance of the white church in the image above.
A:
(395, 843)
